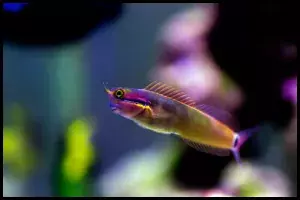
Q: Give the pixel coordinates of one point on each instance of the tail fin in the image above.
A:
(241, 138)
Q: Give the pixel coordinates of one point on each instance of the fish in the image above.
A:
(168, 110)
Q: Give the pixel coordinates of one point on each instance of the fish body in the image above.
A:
(166, 110)
(171, 116)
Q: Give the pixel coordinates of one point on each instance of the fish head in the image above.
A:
(127, 102)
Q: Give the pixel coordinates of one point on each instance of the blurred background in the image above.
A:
(60, 137)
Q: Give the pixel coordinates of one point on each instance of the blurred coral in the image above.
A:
(19, 155)
(289, 90)
(144, 173)
(185, 60)
(255, 181)
(289, 93)
(12, 187)
(185, 30)
(216, 193)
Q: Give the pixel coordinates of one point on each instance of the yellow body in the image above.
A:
(202, 128)
(171, 116)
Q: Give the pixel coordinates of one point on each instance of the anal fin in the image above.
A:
(207, 149)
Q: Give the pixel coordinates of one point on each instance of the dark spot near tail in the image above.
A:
(236, 142)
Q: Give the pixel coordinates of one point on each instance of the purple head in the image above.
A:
(127, 102)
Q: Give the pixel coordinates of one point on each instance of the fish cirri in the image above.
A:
(164, 109)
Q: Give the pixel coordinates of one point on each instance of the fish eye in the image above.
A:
(119, 93)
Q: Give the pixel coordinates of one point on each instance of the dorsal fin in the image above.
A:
(219, 114)
(170, 92)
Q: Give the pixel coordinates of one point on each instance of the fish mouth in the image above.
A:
(114, 109)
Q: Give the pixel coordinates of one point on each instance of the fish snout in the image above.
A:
(114, 107)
